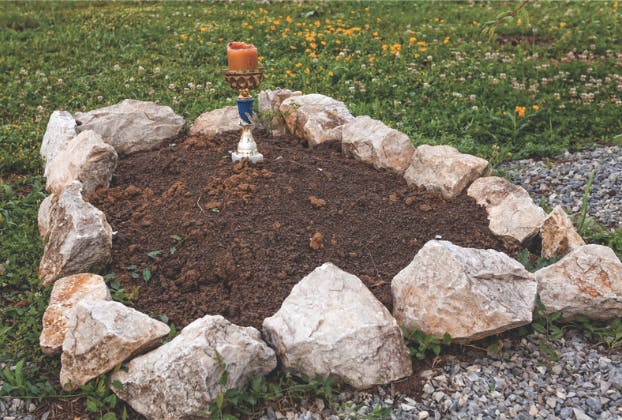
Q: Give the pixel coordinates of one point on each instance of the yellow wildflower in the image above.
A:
(520, 111)
(535, 107)
(562, 25)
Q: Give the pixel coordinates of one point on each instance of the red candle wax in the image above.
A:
(241, 56)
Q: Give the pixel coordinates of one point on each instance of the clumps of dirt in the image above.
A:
(233, 239)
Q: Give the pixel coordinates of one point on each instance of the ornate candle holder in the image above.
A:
(244, 81)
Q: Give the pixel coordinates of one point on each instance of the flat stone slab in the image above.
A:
(219, 121)
(60, 130)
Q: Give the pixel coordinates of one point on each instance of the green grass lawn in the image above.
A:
(548, 79)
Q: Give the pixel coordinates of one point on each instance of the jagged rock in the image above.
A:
(132, 126)
(443, 169)
(511, 212)
(331, 324)
(371, 141)
(466, 292)
(587, 281)
(315, 118)
(269, 102)
(181, 378)
(102, 334)
(79, 237)
(558, 234)
(66, 294)
(219, 121)
(60, 130)
(85, 158)
(43, 217)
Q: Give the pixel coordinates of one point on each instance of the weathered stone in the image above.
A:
(371, 141)
(315, 118)
(79, 237)
(66, 294)
(331, 324)
(511, 212)
(132, 126)
(558, 234)
(102, 334)
(468, 293)
(86, 158)
(269, 102)
(43, 217)
(60, 130)
(443, 169)
(219, 121)
(587, 281)
(181, 378)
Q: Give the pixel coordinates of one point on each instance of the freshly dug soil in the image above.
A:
(199, 235)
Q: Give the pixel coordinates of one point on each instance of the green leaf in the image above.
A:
(176, 237)
(110, 276)
(538, 327)
(164, 318)
(92, 405)
(134, 275)
(109, 416)
(146, 274)
(154, 254)
(131, 267)
(117, 385)
(172, 250)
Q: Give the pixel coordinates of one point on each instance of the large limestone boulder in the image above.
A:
(511, 212)
(558, 234)
(444, 169)
(43, 216)
(181, 378)
(79, 237)
(468, 293)
(60, 130)
(315, 118)
(132, 126)
(587, 281)
(371, 141)
(102, 334)
(213, 123)
(331, 324)
(85, 158)
(66, 294)
(269, 102)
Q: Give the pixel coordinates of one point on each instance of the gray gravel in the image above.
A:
(562, 181)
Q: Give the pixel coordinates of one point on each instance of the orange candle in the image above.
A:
(241, 56)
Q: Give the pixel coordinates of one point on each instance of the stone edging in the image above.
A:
(431, 293)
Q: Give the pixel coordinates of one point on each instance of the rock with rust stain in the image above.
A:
(216, 122)
(587, 281)
(316, 202)
(331, 324)
(66, 294)
(465, 292)
(558, 235)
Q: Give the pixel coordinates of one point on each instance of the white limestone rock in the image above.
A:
(587, 281)
(213, 123)
(181, 378)
(102, 334)
(132, 126)
(85, 158)
(60, 130)
(558, 234)
(269, 102)
(466, 292)
(444, 169)
(66, 294)
(371, 141)
(511, 212)
(315, 118)
(331, 324)
(79, 237)
(43, 216)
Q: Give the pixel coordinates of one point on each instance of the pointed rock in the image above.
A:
(86, 158)
(444, 169)
(269, 102)
(100, 335)
(60, 130)
(132, 126)
(66, 294)
(558, 235)
(315, 118)
(587, 281)
(181, 378)
(466, 292)
(43, 217)
(79, 237)
(511, 212)
(331, 324)
(214, 123)
(371, 141)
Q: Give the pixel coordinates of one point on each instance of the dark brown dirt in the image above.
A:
(234, 239)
